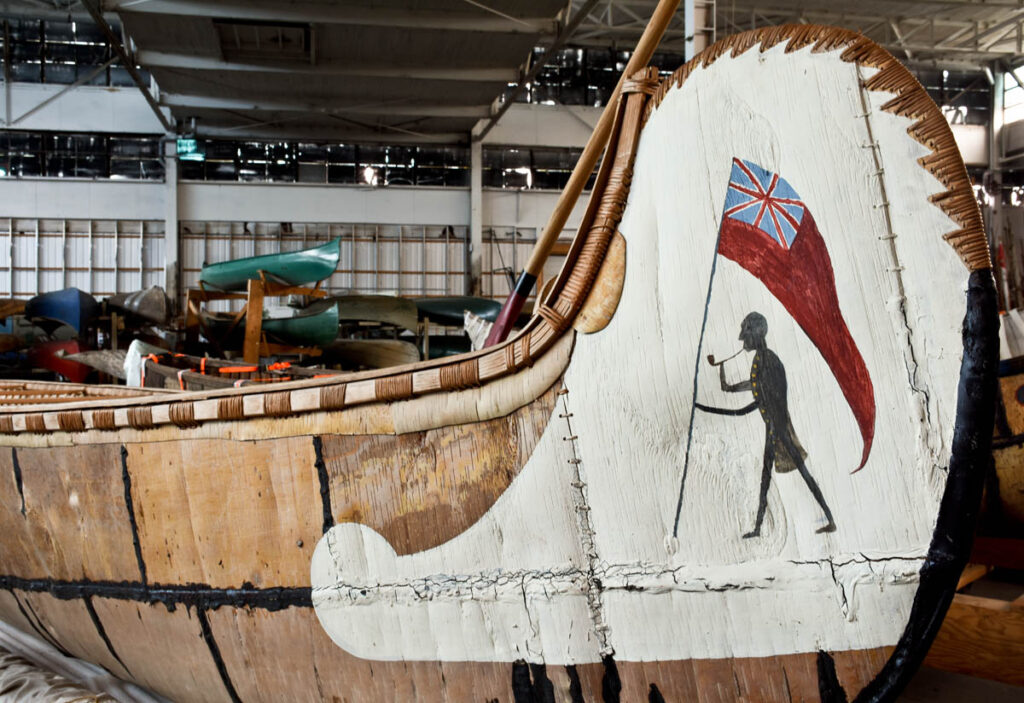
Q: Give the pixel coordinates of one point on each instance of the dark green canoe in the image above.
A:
(291, 267)
(315, 325)
(449, 311)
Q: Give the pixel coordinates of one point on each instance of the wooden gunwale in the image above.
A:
(604, 210)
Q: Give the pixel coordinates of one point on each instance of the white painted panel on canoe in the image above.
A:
(596, 503)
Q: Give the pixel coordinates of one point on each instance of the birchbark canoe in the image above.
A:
(291, 267)
(150, 304)
(566, 515)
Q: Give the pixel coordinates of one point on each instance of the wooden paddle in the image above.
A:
(584, 167)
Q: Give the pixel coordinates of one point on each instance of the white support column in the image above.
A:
(476, 216)
(689, 29)
(172, 270)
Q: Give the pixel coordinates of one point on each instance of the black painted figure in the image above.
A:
(767, 382)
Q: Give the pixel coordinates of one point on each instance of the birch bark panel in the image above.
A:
(76, 523)
(223, 513)
(855, 669)
(164, 649)
(312, 668)
(22, 554)
(420, 489)
(11, 613)
(69, 623)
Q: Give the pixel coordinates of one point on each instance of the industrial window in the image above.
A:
(64, 155)
(536, 168)
(311, 162)
(50, 51)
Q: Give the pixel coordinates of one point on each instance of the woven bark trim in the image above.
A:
(606, 219)
(393, 387)
(641, 84)
(231, 408)
(71, 421)
(465, 374)
(554, 318)
(332, 397)
(909, 100)
(7, 424)
(103, 420)
(278, 404)
(35, 423)
(182, 414)
(141, 417)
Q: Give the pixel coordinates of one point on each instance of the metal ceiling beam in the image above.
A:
(335, 13)
(549, 53)
(439, 109)
(329, 133)
(92, 6)
(163, 59)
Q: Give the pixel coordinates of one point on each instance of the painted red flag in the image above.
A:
(768, 230)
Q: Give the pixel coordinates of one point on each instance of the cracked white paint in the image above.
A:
(572, 561)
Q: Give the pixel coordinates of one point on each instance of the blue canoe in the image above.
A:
(70, 306)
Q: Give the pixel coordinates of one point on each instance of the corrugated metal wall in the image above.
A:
(101, 257)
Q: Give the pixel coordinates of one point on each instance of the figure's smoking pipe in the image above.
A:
(711, 358)
(660, 20)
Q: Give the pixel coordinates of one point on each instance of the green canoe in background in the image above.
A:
(449, 310)
(291, 267)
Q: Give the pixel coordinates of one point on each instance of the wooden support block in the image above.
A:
(998, 551)
(253, 323)
(972, 572)
(981, 637)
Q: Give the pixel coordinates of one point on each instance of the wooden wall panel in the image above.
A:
(75, 524)
(256, 519)
(165, 650)
(981, 637)
(422, 488)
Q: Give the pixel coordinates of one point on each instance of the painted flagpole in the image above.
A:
(696, 375)
(584, 167)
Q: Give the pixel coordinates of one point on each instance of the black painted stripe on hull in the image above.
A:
(211, 644)
(325, 482)
(17, 478)
(30, 615)
(127, 479)
(198, 595)
(102, 632)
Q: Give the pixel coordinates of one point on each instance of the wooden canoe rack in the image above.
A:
(983, 635)
(256, 344)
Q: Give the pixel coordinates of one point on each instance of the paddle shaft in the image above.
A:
(584, 167)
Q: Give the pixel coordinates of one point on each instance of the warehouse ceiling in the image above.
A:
(395, 70)
(426, 71)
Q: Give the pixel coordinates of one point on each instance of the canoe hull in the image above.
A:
(70, 307)
(531, 518)
(293, 268)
